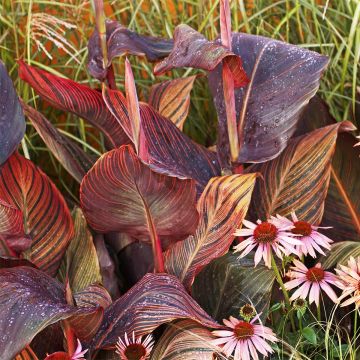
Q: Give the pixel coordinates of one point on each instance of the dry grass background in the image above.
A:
(53, 35)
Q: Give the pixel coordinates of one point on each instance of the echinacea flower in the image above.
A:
(311, 239)
(134, 348)
(247, 312)
(311, 281)
(244, 339)
(349, 281)
(77, 355)
(79, 352)
(267, 237)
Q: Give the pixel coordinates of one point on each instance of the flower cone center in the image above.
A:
(244, 330)
(265, 233)
(135, 352)
(315, 274)
(302, 228)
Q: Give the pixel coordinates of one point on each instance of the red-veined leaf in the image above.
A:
(122, 41)
(76, 98)
(283, 78)
(46, 217)
(222, 208)
(342, 204)
(12, 122)
(26, 354)
(298, 179)
(191, 49)
(120, 193)
(9, 262)
(172, 99)
(76, 161)
(154, 300)
(30, 300)
(170, 151)
(80, 264)
(184, 339)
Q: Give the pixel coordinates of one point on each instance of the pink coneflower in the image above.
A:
(244, 339)
(267, 237)
(79, 352)
(314, 280)
(77, 355)
(133, 348)
(349, 281)
(311, 239)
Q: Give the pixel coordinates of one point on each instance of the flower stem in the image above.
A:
(282, 286)
(319, 313)
(355, 329)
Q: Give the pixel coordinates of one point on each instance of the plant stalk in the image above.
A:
(282, 286)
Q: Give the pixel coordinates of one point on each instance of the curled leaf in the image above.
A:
(122, 41)
(191, 49)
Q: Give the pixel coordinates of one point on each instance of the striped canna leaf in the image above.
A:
(222, 208)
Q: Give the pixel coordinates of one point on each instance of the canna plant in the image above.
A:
(143, 265)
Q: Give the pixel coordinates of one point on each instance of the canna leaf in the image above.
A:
(122, 41)
(76, 98)
(30, 300)
(342, 204)
(222, 208)
(120, 193)
(46, 218)
(340, 253)
(191, 49)
(156, 299)
(170, 151)
(172, 99)
(80, 263)
(228, 283)
(12, 122)
(184, 339)
(26, 354)
(76, 161)
(283, 78)
(298, 179)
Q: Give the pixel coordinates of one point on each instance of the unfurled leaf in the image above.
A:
(76, 98)
(122, 41)
(80, 263)
(310, 335)
(120, 193)
(26, 354)
(340, 253)
(170, 151)
(222, 208)
(154, 300)
(298, 179)
(30, 300)
(228, 283)
(342, 204)
(172, 99)
(184, 339)
(76, 161)
(12, 122)
(283, 78)
(191, 49)
(46, 217)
